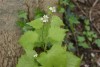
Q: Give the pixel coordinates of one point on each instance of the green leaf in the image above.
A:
(27, 28)
(84, 32)
(71, 47)
(56, 34)
(94, 35)
(71, 5)
(84, 45)
(20, 24)
(89, 33)
(65, 2)
(56, 21)
(58, 54)
(26, 61)
(38, 13)
(97, 42)
(90, 38)
(72, 60)
(87, 28)
(28, 39)
(73, 19)
(22, 14)
(37, 23)
(61, 10)
(81, 39)
(87, 22)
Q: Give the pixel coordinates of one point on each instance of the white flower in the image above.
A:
(45, 18)
(53, 9)
(35, 55)
(92, 54)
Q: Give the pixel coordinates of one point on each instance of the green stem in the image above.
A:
(43, 37)
(43, 33)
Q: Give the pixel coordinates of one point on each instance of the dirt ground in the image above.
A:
(9, 32)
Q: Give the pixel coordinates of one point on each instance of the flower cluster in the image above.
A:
(45, 18)
(53, 9)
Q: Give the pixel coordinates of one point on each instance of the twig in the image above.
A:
(90, 12)
(95, 51)
(96, 28)
(79, 7)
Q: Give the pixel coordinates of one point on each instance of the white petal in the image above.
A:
(35, 55)
(54, 11)
(50, 8)
(45, 16)
(44, 20)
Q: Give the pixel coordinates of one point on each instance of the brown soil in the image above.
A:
(9, 33)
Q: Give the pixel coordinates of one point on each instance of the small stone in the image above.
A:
(86, 65)
(92, 54)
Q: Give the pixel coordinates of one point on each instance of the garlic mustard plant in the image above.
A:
(43, 45)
